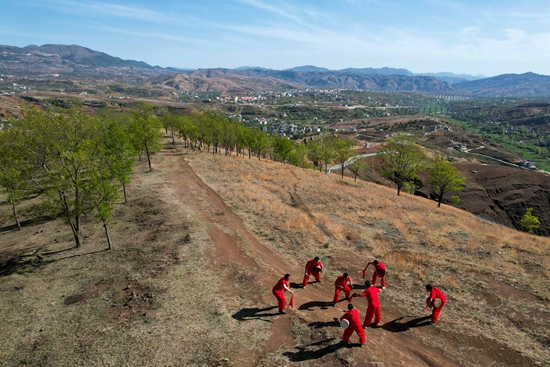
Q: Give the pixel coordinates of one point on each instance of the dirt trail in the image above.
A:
(240, 255)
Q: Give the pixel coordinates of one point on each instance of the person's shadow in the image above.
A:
(312, 304)
(306, 355)
(321, 324)
(255, 313)
(398, 325)
(295, 285)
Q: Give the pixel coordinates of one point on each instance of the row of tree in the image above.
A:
(402, 158)
(77, 163)
(81, 164)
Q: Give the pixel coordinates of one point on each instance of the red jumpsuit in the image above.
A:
(354, 325)
(373, 308)
(312, 270)
(278, 292)
(379, 271)
(436, 293)
(342, 284)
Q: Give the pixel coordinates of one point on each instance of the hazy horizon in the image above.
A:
(429, 36)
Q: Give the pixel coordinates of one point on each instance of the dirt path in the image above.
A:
(240, 255)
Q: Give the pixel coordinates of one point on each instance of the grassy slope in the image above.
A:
(148, 305)
(495, 277)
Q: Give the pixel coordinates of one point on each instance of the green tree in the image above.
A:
(444, 177)
(401, 159)
(314, 154)
(145, 130)
(169, 122)
(455, 200)
(326, 150)
(105, 195)
(357, 166)
(529, 222)
(13, 177)
(117, 151)
(301, 153)
(282, 148)
(63, 143)
(342, 150)
(260, 143)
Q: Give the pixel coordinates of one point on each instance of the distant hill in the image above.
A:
(71, 61)
(76, 62)
(238, 81)
(251, 67)
(442, 75)
(377, 71)
(524, 85)
(307, 68)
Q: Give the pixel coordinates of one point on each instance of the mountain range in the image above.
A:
(76, 62)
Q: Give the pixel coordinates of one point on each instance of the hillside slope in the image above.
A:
(70, 61)
(233, 81)
(204, 238)
(525, 85)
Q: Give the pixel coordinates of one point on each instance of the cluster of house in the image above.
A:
(262, 96)
(290, 130)
(14, 88)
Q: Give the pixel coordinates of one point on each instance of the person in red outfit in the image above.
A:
(354, 325)
(313, 267)
(373, 308)
(430, 302)
(342, 283)
(279, 292)
(379, 271)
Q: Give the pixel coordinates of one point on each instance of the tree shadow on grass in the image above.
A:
(303, 354)
(309, 305)
(22, 264)
(397, 325)
(27, 223)
(255, 313)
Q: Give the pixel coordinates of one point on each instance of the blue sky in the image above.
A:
(488, 37)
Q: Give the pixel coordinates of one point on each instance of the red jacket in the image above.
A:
(353, 317)
(311, 264)
(380, 268)
(372, 296)
(436, 293)
(341, 281)
(280, 285)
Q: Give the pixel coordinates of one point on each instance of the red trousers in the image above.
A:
(316, 274)
(375, 278)
(347, 292)
(280, 299)
(373, 311)
(360, 333)
(436, 312)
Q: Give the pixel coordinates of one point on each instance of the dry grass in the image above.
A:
(143, 303)
(466, 256)
(496, 279)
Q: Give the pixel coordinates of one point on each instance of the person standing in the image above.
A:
(279, 292)
(379, 271)
(342, 283)
(354, 325)
(373, 305)
(313, 267)
(435, 294)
